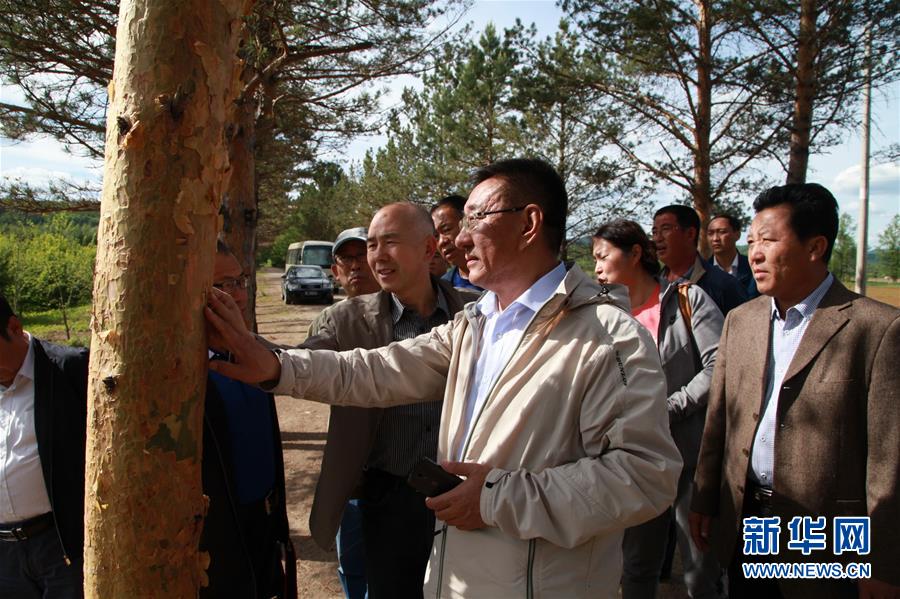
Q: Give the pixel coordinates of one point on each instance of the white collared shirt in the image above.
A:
(23, 493)
(786, 335)
(502, 332)
(733, 269)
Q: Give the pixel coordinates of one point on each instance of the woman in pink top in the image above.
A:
(628, 258)
(687, 338)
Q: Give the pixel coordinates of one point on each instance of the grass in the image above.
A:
(49, 325)
(888, 293)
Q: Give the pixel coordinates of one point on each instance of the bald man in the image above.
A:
(370, 452)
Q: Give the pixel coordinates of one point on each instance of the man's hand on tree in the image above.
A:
(253, 362)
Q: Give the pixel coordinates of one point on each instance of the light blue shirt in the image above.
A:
(786, 335)
(500, 336)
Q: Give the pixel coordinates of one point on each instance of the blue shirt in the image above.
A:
(249, 417)
(454, 278)
(785, 335)
(500, 336)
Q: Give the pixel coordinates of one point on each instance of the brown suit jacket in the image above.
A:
(360, 322)
(837, 443)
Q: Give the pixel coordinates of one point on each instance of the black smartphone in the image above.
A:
(429, 479)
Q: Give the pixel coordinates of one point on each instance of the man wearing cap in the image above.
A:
(352, 272)
(370, 452)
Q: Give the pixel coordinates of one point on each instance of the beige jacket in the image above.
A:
(575, 427)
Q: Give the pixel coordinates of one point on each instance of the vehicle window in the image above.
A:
(318, 255)
(305, 273)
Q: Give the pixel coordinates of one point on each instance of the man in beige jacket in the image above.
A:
(554, 407)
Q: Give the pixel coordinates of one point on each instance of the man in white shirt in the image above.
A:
(43, 394)
(554, 403)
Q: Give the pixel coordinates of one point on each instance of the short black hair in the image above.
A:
(6, 312)
(625, 234)
(457, 202)
(814, 211)
(733, 221)
(533, 181)
(685, 215)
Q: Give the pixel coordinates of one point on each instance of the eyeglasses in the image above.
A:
(349, 259)
(470, 222)
(232, 285)
(662, 231)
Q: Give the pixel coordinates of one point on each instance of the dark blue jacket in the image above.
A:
(233, 552)
(453, 277)
(725, 290)
(744, 275)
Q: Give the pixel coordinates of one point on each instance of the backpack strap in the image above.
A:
(684, 305)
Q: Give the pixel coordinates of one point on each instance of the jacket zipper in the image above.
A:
(440, 578)
(529, 582)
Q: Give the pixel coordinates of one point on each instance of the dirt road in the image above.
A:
(303, 428)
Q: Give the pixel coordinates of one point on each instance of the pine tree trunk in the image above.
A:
(166, 167)
(702, 188)
(807, 51)
(239, 204)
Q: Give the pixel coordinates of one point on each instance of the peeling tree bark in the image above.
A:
(166, 166)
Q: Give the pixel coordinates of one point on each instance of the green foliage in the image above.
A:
(843, 256)
(308, 70)
(504, 96)
(686, 92)
(276, 253)
(581, 252)
(837, 37)
(51, 325)
(44, 263)
(888, 251)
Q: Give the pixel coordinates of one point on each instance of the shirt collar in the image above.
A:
(732, 268)
(397, 307)
(26, 370)
(532, 298)
(807, 305)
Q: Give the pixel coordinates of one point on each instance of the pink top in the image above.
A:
(648, 313)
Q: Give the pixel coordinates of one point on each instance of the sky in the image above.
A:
(39, 160)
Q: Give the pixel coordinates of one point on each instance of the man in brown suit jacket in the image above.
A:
(804, 408)
(357, 458)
